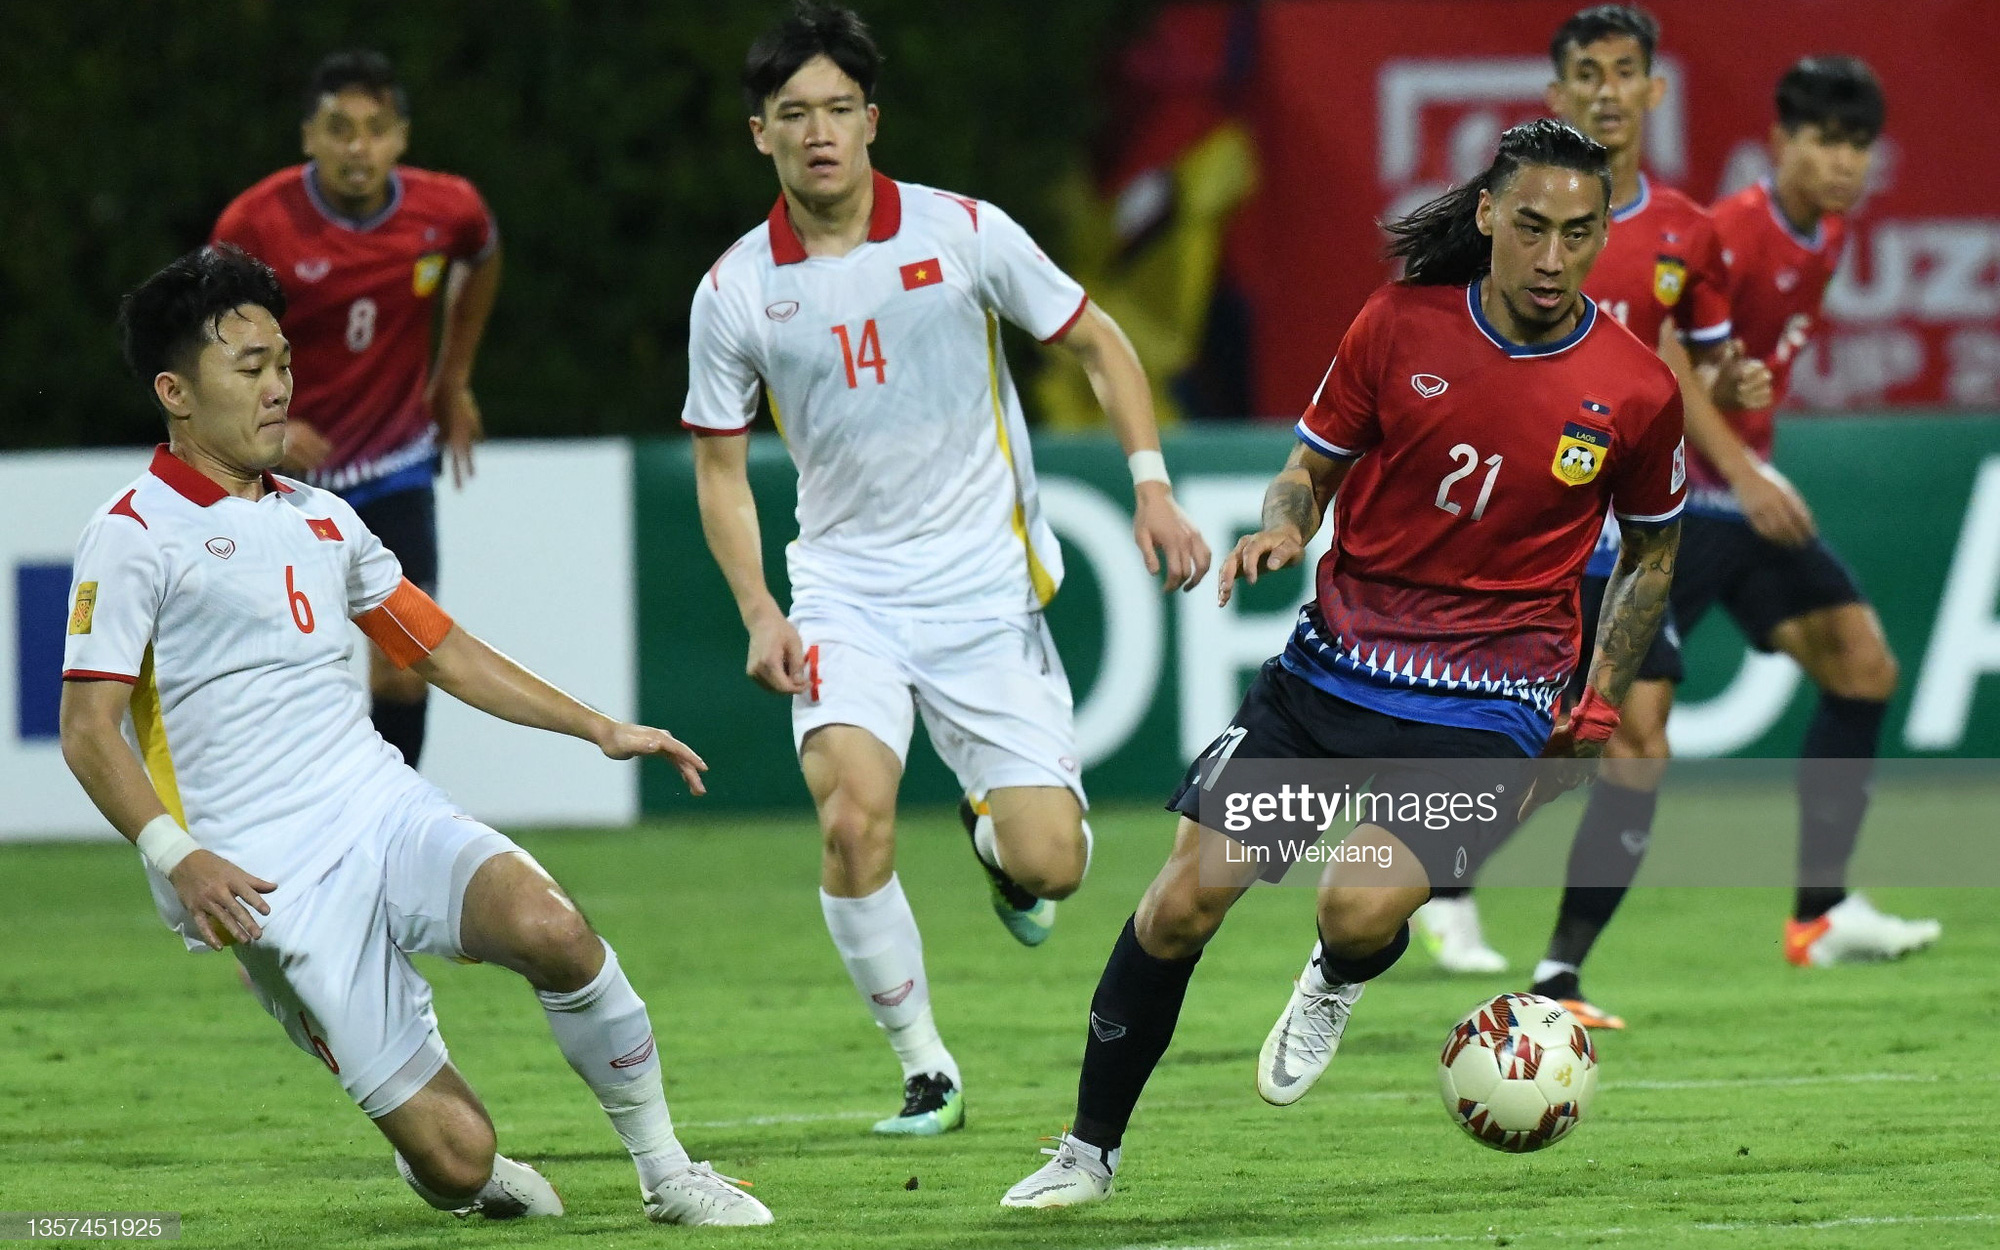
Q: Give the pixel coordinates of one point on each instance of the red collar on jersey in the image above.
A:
(883, 221)
(190, 482)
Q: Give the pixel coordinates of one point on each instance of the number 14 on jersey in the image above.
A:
(866, 354)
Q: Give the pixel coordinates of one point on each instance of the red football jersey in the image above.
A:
(1662, 260)
(1777, 279)
(362, 298)
(1483, 471)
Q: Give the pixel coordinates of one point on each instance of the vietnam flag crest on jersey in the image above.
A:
(920, 273)
(324, 529)
(1580, 452)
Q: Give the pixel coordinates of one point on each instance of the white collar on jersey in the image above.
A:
(192, 485)
(360, 225)
(1505, 344)
(1625, 212)
(884, 219)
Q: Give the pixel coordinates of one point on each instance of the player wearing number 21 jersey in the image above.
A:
(1479, 418)
(867, 312)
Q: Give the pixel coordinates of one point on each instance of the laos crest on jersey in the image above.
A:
(429, 270)
(1581, 451)
(1670, 277)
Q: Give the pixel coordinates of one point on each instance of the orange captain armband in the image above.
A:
(407, 627)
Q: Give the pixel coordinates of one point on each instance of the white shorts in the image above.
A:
(333, 965)
(992, 691)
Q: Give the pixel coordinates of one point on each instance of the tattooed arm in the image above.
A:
(1634, 605)
(1294, 505)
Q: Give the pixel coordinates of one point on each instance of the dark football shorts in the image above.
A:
(1456, 789)
(406, 522)
(1758, 582)
(1662, 661)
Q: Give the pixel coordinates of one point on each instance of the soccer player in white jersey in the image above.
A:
(868, 311)
(209, 615)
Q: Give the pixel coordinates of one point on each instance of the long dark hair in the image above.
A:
(1440, 244)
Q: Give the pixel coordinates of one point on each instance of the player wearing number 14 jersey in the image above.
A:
(366, 248)
(867, 311)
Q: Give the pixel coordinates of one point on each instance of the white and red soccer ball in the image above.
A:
(1517, 1073)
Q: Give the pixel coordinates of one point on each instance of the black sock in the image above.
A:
(401, 726)
(1450, 891)
(1836, 774)
(1610, 845)
(1346, 971)
(1132, 1018)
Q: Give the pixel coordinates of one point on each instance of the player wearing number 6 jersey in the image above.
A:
(1479, 419)
(366, 248)
(868, 312)
(209, 619)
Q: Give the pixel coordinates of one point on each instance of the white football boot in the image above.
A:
(1853, 931)
(698, 1194)
(1303, 1041)
(1078, 1173)
(1450, 929)
(515, 1191)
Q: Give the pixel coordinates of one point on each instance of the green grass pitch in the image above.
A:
(1750, 1103)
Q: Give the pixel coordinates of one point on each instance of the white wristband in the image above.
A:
(1148, 466)
(165, 844)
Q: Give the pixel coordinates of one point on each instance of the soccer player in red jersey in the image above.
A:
(1751, 543)
(365, 247)
(1481, 416)
(1662, 276)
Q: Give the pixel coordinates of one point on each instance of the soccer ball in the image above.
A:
(1517, 1073)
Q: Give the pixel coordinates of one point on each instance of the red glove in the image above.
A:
(1594, 720)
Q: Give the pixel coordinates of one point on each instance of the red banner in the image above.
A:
(1363, 108)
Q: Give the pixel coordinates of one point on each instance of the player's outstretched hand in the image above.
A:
(1742, 380)
(777, 654)
(459, 424)
(623, 742)
(1775, 509)
(220, 896)
(1262, 552)
(1158, 522)
(1567, 759)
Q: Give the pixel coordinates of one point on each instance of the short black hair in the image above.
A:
(354, 67)
(1839, 94)
(166, 320)
(811, 29)
(1605, 21)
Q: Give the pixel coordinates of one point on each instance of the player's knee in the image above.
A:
(852, 830)
(1047, 867)
(557, 948)
(1864, 669)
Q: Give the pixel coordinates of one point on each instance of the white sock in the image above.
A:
(878, 941)
(985, 843)
(605, 1034)
(1313, 979)
(1550, 968)
(1089, 849)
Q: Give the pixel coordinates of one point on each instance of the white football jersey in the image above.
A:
(884, 373)
(229, 619)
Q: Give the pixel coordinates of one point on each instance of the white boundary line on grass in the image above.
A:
(1558, 1234)
(1371, 1095)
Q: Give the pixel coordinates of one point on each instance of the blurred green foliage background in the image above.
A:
(608, 138)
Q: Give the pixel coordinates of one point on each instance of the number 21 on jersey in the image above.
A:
(866, 354)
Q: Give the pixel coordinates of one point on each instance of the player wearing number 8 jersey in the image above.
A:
(366, 248)
(209, 615)
(867, 311)
(1478, 420)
